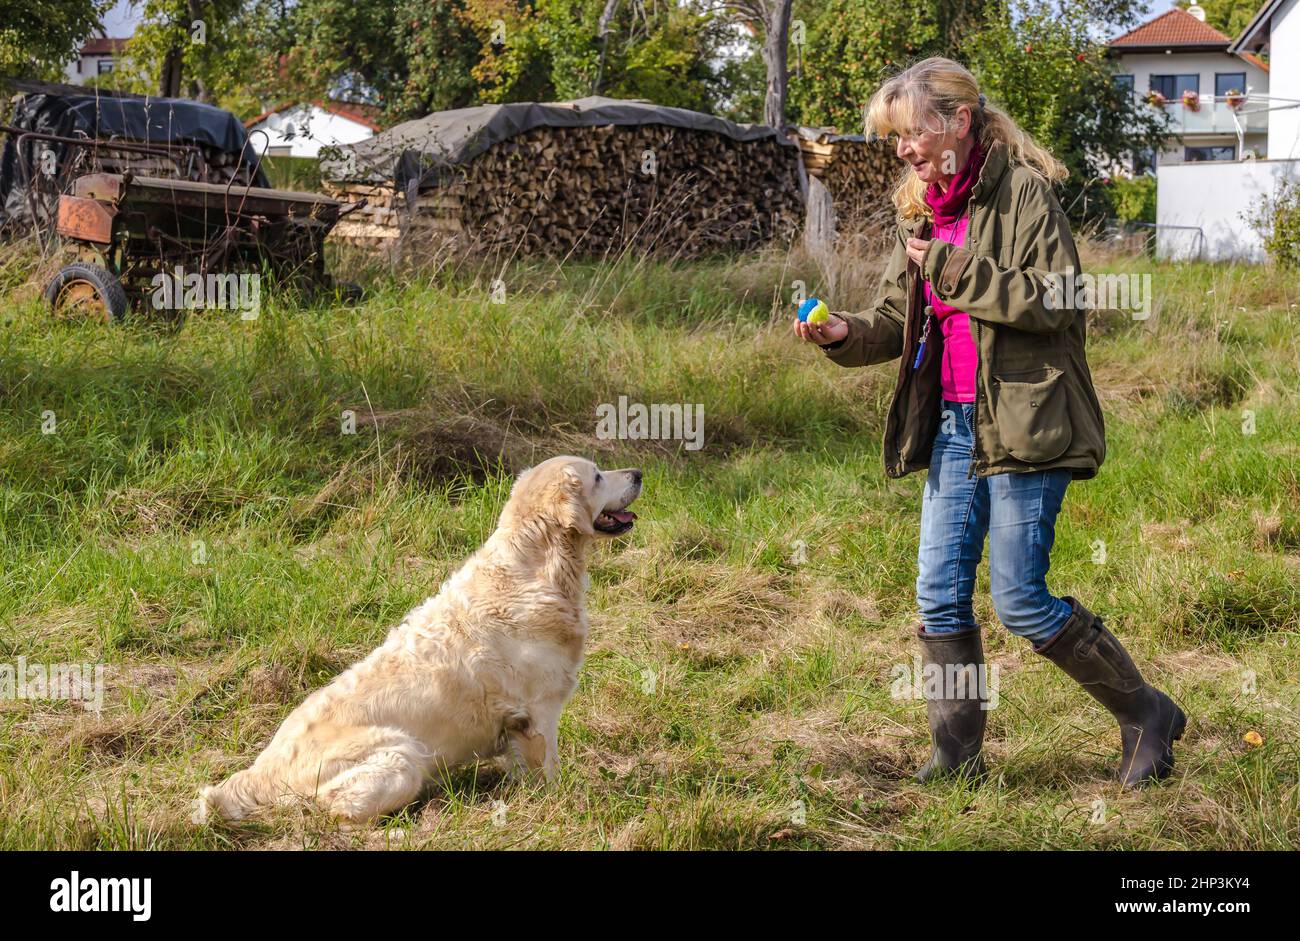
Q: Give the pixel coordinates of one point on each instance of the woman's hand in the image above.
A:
(916, 249)
(830, 330)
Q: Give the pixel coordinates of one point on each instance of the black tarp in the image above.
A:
(71, 111)
(418, 153)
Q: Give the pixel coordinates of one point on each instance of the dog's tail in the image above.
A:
(241, 794)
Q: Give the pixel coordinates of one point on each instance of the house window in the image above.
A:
(1123, 82)
(1225, 82)
(1171, 87)
(105, 66)
(1214, 152)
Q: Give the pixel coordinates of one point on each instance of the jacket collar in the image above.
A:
(995, 164)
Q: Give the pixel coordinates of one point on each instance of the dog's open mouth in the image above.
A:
(614, 522)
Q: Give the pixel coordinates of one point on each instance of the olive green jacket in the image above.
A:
(1035, 407)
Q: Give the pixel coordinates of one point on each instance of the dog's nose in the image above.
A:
(636, 475)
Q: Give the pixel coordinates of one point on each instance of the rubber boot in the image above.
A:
(955, 711)
(1149, 721)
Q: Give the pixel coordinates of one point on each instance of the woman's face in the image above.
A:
(935, 151)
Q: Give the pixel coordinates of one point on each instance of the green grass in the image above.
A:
(198, 523)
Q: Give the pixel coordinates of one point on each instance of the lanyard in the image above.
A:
(925, 335)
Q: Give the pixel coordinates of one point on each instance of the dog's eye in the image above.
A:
(597, 476)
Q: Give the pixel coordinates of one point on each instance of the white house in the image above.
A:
(1178, 62)
(101, 54)
(1276, 30)
(1202, 208)
(301, 130)
(97, 56)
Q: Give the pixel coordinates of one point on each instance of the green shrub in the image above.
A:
(301, 174)
(1134, 198)
(1277, 220)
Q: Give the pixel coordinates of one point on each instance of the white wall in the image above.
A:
(1284, 61)
(305, 129)
(1214, 196)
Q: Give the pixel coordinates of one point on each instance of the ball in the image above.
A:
(813, 311)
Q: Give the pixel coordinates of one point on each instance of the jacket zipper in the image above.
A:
(975, 417)
(905, 374)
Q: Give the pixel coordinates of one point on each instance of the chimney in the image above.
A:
(1197, 11)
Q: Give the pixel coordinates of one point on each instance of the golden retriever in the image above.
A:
(482, 669)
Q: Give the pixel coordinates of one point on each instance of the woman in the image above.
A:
(995, 398)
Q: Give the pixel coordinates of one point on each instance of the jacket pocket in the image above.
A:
(1031, 414)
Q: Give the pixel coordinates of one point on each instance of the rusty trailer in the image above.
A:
(125, 236)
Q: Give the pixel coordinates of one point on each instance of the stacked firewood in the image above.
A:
(180, 164)
(383, 220)
(595, 190)
(222, 166)
(860, 175)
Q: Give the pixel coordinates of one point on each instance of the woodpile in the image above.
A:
(860, 175)
(592, 190)
(384, 220)
(221, 166)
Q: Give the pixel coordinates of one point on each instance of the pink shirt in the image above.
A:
(957, 371)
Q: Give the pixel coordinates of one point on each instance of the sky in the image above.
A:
(122, 19)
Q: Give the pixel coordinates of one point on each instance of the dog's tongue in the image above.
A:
(623, 516)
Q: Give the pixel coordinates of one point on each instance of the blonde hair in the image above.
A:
(936, 88)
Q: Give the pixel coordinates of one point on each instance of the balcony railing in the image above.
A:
(1215, 117)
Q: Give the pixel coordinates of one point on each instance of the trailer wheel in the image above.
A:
(86, 292)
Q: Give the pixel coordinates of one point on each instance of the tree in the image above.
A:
(39, 37)
(1227, 16)
(851, 46)
(409, 57)
(208, 50)
(772, 19)
(1041, 61)
(565, 49)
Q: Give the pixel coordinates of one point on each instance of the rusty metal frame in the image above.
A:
(85, 219)
(137, 226)
(150, 225)
(22, 137)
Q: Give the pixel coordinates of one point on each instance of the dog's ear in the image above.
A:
(556, 495)
(572, 508)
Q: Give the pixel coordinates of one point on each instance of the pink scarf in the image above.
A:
(948, 207)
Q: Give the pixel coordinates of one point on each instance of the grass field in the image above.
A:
(197, 521)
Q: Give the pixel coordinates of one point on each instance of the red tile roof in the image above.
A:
(100, 46)
(1174, 28)
(364, 115)
(1254, 60)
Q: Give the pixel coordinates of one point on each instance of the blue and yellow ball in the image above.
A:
(813, 311)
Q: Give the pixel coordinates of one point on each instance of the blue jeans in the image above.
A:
(1018, 514)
